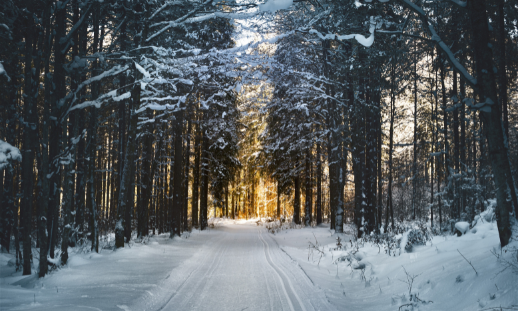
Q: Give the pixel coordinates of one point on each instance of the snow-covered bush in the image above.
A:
(401, 236)
(418, 236)
(389, 242)
(8, 153)
(276, 226)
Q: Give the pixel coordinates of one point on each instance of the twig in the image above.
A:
(468, 261)
(409, 280)
(406, 305)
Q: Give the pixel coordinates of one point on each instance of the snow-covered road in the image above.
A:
(242, 268)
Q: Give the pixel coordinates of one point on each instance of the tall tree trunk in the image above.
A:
(390, 208)
(148, 171)
(128, 174)
(58, 93)
(307, 207)
(66, 210)
(456, 202)
(502, 79)
(226, 199)
(176, 225)
(123, 142)
(332, 156)
(9, 213)
(44, 203)
(252, 194)
(187, 168)
(379, 157)
(319, 187)
(204, 187)
(438, 159)
(370, 160)
(278, 200)
(29, 148)
(446, 150)
(492, 120)
(432, 168)
(502, 66)
(414, 164)
(358, 160)
(196, 173)
(296, 201)
(462, 144)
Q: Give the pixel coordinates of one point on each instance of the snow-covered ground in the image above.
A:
(239, 265)
(442, 275)
(111, 280)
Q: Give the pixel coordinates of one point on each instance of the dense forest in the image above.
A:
(130, 118)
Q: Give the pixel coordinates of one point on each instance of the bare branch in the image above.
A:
(468, 262)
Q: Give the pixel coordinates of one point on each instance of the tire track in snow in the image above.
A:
(283, 278)
(313, 295)
(202, 288)
(269, 290)
(187, 297)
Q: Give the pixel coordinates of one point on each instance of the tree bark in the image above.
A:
(176, 225)
(196, 173)
(278, 200)
(492, 120)
(319, 186)
(187, 168)
(307, 207)
(296, 201)
(128, 174)
(204, 187)
(29, 148)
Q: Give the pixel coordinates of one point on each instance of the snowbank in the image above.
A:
(364, 277)
(104, 281)
(462, 227)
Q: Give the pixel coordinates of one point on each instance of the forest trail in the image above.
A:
(235, 266)
(244, 269)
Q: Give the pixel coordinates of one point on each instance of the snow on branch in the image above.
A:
(435, 37)
(142, 70)
(201, 18)
(160, 107)
(179, 21)
(451, 57)
(367, 42)
(101, 99)
(250, 45)
(269, 6)
(4, 73)
(165, 5)
(8, 153)
(112, 72)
